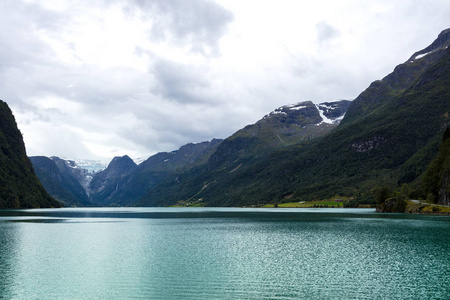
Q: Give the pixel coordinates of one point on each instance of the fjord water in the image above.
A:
(206, 253)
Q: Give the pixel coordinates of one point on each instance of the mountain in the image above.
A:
(295, 124)
(394, 84)
(19, 185)
(105, 184)
(388, 136)
(63, 179)
(122, 182)
(285, 126)
(134, 182)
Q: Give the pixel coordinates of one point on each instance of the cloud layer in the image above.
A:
(96, 79)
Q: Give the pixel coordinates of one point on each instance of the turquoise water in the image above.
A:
(205, 253)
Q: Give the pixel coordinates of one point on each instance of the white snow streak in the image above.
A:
(297, 108)
(324, 118)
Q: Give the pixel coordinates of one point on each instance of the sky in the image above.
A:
(98, 79)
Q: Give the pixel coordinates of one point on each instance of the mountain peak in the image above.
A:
(441, 43)
(122, 162)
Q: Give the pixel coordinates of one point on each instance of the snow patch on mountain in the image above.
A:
(297, 107)
(324, 118)
(424, 54)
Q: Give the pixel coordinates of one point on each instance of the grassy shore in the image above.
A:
(426, 208)
(332, 202)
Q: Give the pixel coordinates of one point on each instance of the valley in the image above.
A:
(384, 138)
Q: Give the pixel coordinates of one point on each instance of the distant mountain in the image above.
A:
(63, 179)
(107, 183)
(19, 186)
(128, 189)
(122, 182)
(388, 136)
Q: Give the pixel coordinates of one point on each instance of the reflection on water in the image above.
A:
(210, 253)
(8, 257)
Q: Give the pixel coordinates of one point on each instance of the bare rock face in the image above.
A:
(364, 146)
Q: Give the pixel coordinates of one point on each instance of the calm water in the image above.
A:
(172, 253)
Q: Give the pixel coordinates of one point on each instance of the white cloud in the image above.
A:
(95, 79)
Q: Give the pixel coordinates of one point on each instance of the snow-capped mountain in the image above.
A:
(90, 165)
(308, 113)
(285, 126)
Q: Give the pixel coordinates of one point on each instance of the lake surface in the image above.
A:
(229, 253)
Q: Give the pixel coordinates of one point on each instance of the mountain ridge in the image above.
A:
(396, 82)
(401, 117)
(387, 136)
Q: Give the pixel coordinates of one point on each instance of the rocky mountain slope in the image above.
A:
(19, 186)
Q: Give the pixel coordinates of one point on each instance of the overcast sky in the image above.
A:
(96, 79)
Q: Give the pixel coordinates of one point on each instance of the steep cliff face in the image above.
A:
(19, 186)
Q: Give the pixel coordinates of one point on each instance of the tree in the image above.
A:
(381, 194)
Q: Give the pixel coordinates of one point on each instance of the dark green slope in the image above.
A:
(60, 184)
(298, 124)
(372, 151)
(388, 143)
(394, 84)
(19, 186)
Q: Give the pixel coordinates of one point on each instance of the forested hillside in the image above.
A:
(19, 186)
